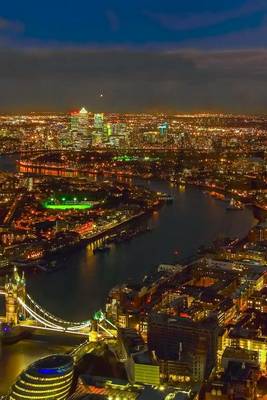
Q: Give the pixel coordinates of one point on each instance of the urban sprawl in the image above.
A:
(196, 329)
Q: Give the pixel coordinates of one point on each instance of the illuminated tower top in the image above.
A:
(79, 128)
(83, 111)
(15, 280)
(15, 289)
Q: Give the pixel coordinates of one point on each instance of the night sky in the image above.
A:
(142, 55)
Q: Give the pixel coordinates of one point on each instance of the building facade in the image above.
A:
(48, 378)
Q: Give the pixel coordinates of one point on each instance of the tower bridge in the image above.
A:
(22, 310)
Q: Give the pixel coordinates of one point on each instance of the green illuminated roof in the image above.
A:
(73, 206)
(67, 202)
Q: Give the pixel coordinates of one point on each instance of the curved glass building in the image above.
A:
(48, 378)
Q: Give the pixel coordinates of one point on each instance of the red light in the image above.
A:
(74, 112)
(184, 315)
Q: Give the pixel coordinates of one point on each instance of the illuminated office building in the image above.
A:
(74, 121)
(99, 121)
(256, 344)
(163, 128)
(186, 349)
(48, 378)
(107, 129)
(97, 138)
(79, 128)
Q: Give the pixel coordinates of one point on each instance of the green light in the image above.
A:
(126, 158)
(99, 316)
(76, 206)
(67, 202)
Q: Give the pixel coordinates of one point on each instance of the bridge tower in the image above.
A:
(14, 288)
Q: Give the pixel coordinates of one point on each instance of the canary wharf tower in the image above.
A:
(79, 129)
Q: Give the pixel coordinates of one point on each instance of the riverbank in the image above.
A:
(260, 211)
(81, 286)
(178, 230)
(48, 262)
(28, 166)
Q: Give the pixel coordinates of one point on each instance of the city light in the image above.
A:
(133, 214)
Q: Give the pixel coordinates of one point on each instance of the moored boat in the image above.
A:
(235, 205)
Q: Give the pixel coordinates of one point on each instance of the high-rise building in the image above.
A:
(48, 378)
(74, 125)
(163, 128)
(99, 121)
(188, 345)
(79, 129)
(97, 138)
(108, 129)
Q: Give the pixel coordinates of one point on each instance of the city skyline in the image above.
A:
(133, 200)
(144, 234)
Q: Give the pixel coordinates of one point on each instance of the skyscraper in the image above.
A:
(99, 121)
(79, 129)
(163, 128)
(83, 120)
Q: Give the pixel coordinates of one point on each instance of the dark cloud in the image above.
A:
(184, 21)
(253, 38)
(53, 79)
(9, 26)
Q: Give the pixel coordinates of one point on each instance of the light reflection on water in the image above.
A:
(16, 357)
(81, 287)
(192, 220)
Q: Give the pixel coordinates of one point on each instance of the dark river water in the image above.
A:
(83, 284)
(81, 287)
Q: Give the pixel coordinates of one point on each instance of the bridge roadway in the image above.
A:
(80, 342)
(30, 324)
(38, 318)
(82, 345)
(86, 347)
(42, 323)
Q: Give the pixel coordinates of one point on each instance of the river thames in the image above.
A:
(80, 287)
